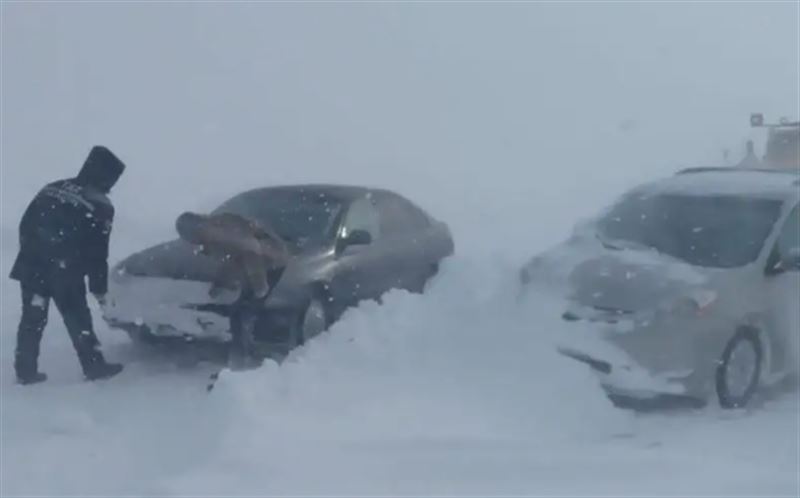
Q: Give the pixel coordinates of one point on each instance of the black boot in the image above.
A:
(29, 335)
(102, 370)
(31, 378)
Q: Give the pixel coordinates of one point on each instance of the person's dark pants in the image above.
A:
(243, 319)
(71, 303)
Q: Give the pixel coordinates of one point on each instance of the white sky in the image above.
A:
(478, 111)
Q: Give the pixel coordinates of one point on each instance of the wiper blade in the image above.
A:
(606, 243)
(621, 244)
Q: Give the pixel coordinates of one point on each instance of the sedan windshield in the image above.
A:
(714, 231)
(302, 219)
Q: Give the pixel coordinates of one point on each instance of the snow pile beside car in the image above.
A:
(439, 394)
(457, 367)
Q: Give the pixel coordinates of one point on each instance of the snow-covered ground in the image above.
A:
(454, 393)
(471, 110)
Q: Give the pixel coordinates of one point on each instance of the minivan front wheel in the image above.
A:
(739, 370)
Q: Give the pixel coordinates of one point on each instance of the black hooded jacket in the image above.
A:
(64, 233)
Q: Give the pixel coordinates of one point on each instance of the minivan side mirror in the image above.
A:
(790, 261)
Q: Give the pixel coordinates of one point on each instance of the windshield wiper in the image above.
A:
(622, 244)
(606, 243)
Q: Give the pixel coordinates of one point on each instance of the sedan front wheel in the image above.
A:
(312, 322)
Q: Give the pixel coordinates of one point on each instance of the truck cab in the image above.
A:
(782, 149)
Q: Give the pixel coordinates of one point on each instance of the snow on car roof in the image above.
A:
(342, 192)
(728, 181)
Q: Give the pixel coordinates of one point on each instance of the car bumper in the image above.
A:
(169, 310)
(164, 308)
(645, 357)
(629, 379)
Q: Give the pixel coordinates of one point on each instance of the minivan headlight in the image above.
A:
(696, 302)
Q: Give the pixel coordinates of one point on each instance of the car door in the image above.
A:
(358, 271)
(783, 291)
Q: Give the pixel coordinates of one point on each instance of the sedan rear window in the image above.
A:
(713, 231)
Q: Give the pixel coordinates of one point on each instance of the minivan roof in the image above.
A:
(773, 184)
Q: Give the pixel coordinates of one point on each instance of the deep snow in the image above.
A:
(455, 392)
(480, 113)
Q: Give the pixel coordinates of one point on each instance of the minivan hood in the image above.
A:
(632, 280)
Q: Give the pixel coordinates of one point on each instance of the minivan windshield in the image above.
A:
(712, 231)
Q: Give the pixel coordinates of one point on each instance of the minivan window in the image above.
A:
(789, 239)
(712, 231)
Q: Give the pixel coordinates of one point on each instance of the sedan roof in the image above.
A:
(344, 193)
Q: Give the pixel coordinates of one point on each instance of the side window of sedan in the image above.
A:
(400, 217)
(789, 239)
(393, 219)
(362, 215)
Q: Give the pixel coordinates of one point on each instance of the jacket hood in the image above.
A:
(101, 169)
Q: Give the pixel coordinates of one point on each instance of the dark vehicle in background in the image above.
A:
(782, 149)
(349, 244)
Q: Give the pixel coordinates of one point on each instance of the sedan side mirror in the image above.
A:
(356, 238)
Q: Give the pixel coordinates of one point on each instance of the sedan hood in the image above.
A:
(179, 260)
(629, 281)
(176, 260)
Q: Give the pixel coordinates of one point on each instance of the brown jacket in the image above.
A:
(246, 248)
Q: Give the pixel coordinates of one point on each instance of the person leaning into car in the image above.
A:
(247, 251)
(64, 236)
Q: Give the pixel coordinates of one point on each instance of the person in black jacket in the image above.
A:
(64, 237)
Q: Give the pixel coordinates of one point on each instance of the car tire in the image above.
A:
(138, 334)
(419, 287)
(311, 322)
(739, 370)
